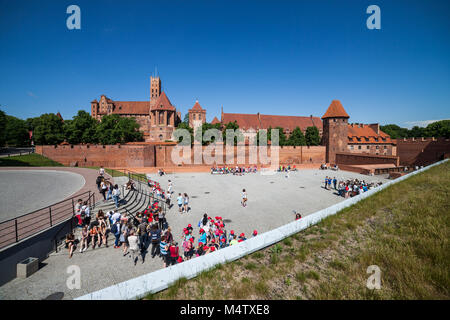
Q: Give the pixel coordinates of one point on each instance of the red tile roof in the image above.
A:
(131, 107)
(366, 134)
(163, 103)
(261, 121)
(197, 107)
(290, 122)
(244, 121)
(215, 121)
(335, 110)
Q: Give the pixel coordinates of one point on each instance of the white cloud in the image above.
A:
(422, 123)
(31, 94)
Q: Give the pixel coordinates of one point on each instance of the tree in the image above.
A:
(394, 131)
(48, 129)
(115, 129)
(239, 137)
(186, 119)
(16, 132)
(312, 136)
(283, 140)
(179, 138)
(296, 138)
(438, 129)
(81, 129)
(2, 128)
(200, 134)
(417, 132)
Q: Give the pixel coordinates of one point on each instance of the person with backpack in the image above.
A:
(115, 230)
(134, 247)
(155, 238)
(142, 230)
(174, 253)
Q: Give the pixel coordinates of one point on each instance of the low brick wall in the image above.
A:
(361, 159)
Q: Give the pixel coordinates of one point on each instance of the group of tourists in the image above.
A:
(287, 168)
(108, 190)
(324, 166)
(350, 187)
(234, 170)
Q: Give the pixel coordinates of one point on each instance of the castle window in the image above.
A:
(359, 147)
(193, 116)
(376, 147)
(385, 147)
(368, 147)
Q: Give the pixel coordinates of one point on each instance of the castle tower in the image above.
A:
(197, 116)
(155, 88)
(335, 130)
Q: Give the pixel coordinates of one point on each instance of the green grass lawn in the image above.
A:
(29, 160)
(404, 230)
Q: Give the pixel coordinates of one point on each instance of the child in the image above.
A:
(244, 198)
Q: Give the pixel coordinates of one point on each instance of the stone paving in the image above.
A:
(26, 191)
(271, 201)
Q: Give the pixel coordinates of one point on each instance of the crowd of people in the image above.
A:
(350, 187)
(234, 170)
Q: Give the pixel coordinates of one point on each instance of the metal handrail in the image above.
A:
(46, 217)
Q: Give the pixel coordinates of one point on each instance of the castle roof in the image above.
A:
(163, 103)
(131, 107)
(197, 107)
(367, 133)
(215, 121)
(335, 110)
(261, 121)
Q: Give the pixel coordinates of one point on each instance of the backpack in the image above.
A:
(114, 229)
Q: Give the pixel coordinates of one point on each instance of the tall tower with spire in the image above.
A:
(335, 130)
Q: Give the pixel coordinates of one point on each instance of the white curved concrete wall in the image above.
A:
(161, 279)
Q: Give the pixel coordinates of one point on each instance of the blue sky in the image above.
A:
(272, 57)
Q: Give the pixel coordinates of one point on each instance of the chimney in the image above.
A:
(375, 127)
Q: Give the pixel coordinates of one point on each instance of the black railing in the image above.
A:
(27, 225)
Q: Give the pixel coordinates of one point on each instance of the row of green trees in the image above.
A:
(49, 129)
(436, 129)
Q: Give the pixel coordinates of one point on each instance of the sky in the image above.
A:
(273, 57)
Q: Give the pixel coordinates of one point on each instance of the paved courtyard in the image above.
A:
(24, 191)
(271, 199)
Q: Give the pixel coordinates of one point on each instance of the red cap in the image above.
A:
(242, 235)
(191, 239)
(213, 248)
(189, 225)
(223, 240)
(186, 232)
(255, 232)
(205, 247)
(201, 231)
(180, 259)
(212, 240)
(221, 231)
(240, 240)
(232, 232)
(217, 218)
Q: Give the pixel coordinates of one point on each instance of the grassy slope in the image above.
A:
(29, 160)
(403, 229)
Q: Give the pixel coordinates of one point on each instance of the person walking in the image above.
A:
(155, 237)
(186, 202)
(134, 247)
(116, 195)
(244, 198)
(180, 203)
(115, 230)
(143, 235)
